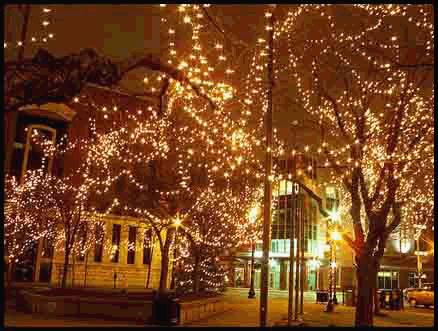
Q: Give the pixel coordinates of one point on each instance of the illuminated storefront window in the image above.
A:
(387, 279)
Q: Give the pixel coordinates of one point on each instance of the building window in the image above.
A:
(394, 279)
(412, 279)
(147, 247)
(387, 279)
(274, 246)
(116, 243)
(131, 244)
(32, 134)
(98, 248)
(288, 210)
(331, 198)
(276, 223)
(45, 271)
(29, 153)
(82, 241)
(47, 251)
(259, 246)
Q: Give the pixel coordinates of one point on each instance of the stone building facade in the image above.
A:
(112, 266)
(73, 121)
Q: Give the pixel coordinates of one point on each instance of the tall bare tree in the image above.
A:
(368, 82)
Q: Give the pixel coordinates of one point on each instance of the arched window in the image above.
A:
(37, 137)
(31, 137)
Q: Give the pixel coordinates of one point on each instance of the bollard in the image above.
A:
(397, 299)
(382, 298)
(402, 299)
(391, 300)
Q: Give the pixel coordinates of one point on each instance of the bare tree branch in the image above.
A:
(355, 206)
(336, 111)
(351, 243)
(229, 36)
(49, 79)
(379, 183)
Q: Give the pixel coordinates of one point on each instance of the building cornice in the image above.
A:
(57, 111)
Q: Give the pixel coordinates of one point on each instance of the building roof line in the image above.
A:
(309, 191)
(121, 92)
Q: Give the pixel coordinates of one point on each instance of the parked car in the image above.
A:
(421, 296)
(428, 286)
(406, 292)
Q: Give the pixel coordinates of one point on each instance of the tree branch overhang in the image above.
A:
(45, 78)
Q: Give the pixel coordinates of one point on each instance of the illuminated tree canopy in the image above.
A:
(361, 74)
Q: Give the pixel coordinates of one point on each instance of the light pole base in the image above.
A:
(251, 294)
(330, 307)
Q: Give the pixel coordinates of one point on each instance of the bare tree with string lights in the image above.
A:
(369, 85)
(51, 206)
(217, 222)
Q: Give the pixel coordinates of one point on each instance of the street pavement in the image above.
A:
(240, 311)
(308, 296)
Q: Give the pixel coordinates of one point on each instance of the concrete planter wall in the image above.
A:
(111, 308)
(196, 310)
(67, 305)
(116, 308)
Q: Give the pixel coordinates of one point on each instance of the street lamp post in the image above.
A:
(177, 224)
(252, 220)
(332, 270)
(172, 284)
(419, 264)
(329, 307)
(251, 293)
(268, 180)
(335, 266)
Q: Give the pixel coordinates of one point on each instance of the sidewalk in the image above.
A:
(246, 313)
(239, 311)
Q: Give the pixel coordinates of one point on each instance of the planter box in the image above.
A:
(51, 305)
(118, 307)
(196, 310)
(108, 308)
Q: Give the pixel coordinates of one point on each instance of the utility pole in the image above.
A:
(419, 264)
(302, 256)
(291, 265)
(268, 182)
(297, 256)
(251, 293)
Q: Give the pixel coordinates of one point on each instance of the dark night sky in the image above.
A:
(118, 30)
